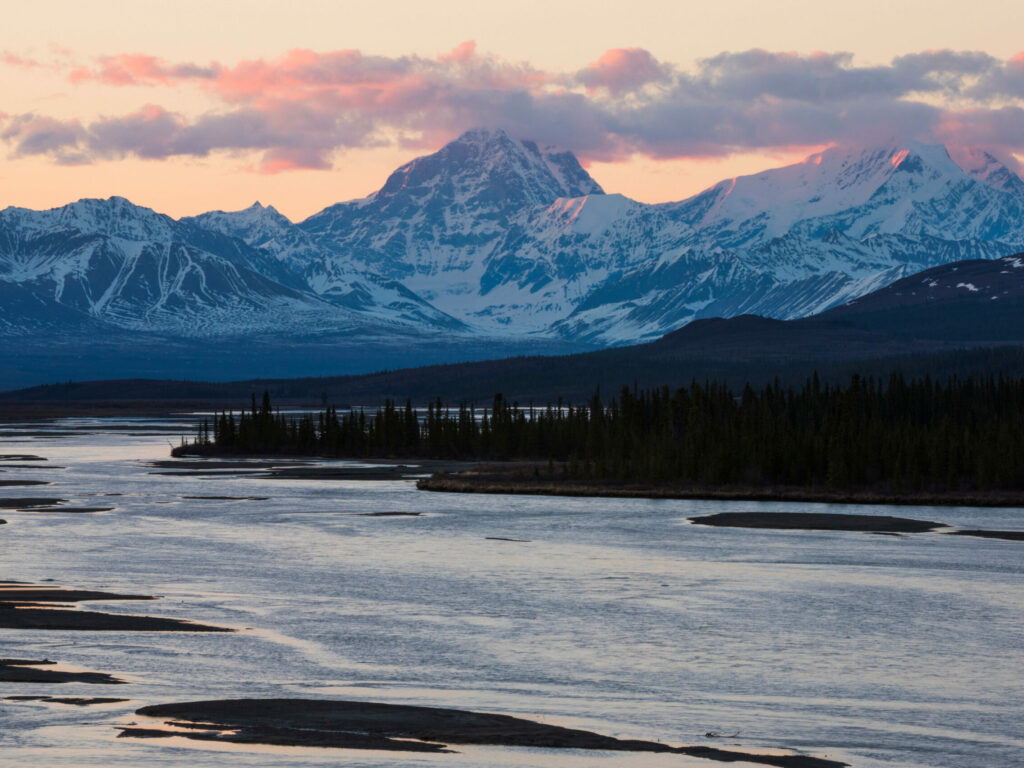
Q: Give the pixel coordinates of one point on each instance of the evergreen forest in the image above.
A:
(903, 435)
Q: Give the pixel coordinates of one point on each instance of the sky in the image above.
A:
(214, 105)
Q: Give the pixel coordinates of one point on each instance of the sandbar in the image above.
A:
(818, 521)
(29, 606)
(77, 701)
(24, 671)
(371, 725)
(1007, 535)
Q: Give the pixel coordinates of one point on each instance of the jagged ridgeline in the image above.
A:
(900, 434)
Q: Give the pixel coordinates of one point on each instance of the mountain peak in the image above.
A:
(988, 167)
(114, 217)
(893, 187)
(488, 165)
(483, 136)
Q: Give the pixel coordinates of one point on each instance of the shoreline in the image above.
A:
(514, 480)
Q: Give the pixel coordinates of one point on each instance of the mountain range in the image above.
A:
(962, 319)
(494, 244)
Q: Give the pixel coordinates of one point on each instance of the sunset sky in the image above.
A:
(303, 104)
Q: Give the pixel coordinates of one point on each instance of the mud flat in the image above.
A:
(368, 725)
(228, 498)
(67, 510)
(29, 502)
(815, 521)
(32, 593)
(27, 606)
(70, 619)
(824, 521)
(1006, 535)
(26, 671)
(77, 701)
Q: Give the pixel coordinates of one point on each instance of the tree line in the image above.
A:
(916, 434)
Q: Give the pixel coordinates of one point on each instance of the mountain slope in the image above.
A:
(797, 240)
(438, 222)
(127, 267)
(930, 323)
(270, 232)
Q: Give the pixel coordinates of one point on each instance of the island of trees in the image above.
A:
(897, 436)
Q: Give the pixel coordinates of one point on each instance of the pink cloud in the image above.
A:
(139, 69)
(22, 62)
(623, 69)
(301, 109)
(462, 52)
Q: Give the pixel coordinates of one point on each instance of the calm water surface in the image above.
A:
(616, 615)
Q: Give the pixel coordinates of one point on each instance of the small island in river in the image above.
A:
(397, 727)
(904, 442)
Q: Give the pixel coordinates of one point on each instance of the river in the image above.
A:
(615, 615)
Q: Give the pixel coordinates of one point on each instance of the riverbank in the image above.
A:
(535, 479)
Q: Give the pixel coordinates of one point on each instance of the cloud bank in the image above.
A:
(301, 109)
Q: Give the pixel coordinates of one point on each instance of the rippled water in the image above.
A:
(616, 615)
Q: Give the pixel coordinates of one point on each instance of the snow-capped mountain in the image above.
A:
(270, 232)
(493, 237)
(910, 189)
(797, 240)
(488, 232)
(440, 221)
(127, 267)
